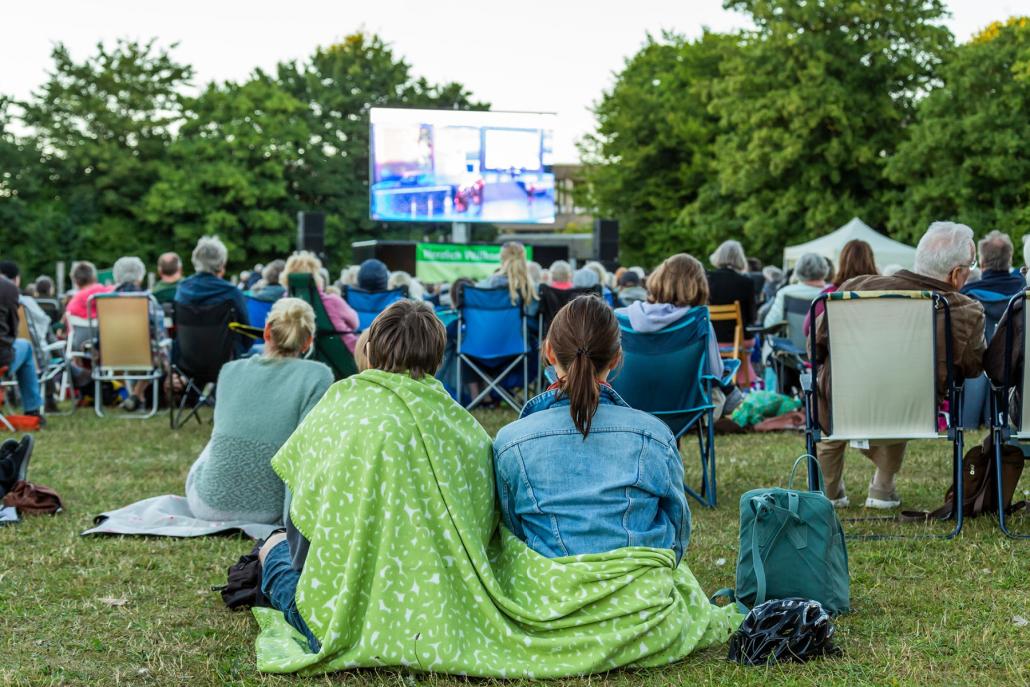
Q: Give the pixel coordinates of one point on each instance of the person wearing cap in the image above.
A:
(373, 276)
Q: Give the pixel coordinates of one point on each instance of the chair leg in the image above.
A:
(957, 445)
(710, 427)
(98, 401)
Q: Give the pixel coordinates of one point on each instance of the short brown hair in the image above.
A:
(856, 260)
(407, 337)
(679, 281)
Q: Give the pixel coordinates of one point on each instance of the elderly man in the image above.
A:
(169, 274)
(944, 257)
(208, 287)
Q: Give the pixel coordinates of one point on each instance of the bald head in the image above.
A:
(169, 267)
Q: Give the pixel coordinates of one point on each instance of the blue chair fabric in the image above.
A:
(493, 342)
(368, 304)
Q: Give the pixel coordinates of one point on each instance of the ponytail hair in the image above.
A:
(584, 339)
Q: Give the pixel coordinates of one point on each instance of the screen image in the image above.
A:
(461, 166)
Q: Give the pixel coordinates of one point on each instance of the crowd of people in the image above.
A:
(293, 462)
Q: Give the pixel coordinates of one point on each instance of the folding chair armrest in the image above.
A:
(54, 347)
(729, 369)
(771, 329)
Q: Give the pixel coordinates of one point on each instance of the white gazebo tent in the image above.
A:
(887, 251)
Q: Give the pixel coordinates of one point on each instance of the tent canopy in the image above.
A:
(887, 251)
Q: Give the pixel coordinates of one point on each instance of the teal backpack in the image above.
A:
(791, 545)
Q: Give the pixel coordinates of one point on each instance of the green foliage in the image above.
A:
(653, 148)
(965, 159)
(811, 108)
(104, 126)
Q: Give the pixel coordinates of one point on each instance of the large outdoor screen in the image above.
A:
(459, 166)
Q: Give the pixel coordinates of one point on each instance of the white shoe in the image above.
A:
(842, 502)
(880, 504)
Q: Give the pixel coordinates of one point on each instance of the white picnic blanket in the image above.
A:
(170, 516)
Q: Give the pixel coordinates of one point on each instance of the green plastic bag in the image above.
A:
(762, 405)
(792, 545)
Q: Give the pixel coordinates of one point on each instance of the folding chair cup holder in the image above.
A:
(127, 345)
(884, 340)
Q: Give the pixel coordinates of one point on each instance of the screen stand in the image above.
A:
(459, 232)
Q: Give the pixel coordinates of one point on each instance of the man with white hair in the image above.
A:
(208, 287)
(944, 258)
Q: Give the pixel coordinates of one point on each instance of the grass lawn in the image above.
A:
(925, 612)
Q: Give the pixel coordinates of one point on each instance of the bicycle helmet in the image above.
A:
(783, 630)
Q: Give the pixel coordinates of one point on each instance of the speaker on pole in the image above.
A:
(311, 232)
(606, 240)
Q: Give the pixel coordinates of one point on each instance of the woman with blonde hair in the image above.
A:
(677, 286)
(233, 480)
(343, 317)
(514, 274)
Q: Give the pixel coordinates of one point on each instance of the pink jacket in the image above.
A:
(343, 317)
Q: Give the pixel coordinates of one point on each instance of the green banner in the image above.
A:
(444, 262)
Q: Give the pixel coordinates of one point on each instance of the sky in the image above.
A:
(557, 56)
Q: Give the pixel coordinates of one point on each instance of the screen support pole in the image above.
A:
(459, 232)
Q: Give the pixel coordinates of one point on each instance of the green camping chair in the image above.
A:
(328, 348)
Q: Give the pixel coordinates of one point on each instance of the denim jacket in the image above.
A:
(566, 495)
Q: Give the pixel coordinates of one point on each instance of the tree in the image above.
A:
(965, 158)
(227, 171)
(811, 108)
(653, 149)
(339, 85)
(104, 125)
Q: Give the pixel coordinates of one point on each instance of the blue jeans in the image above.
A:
(23, 368)
(279, 584)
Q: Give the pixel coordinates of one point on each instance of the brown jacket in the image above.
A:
(967, 331)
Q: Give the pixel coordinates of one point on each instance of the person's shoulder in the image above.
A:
(624, 418)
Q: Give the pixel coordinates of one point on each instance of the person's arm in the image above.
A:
(673, 502)
(775, 313)
(971, 364)
(715, 366)
(506, 495)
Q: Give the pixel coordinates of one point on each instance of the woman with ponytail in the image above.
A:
(580, 471)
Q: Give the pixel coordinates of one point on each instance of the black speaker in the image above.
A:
(398, 255)
(311, 232)
(545, 255)
(606, 239)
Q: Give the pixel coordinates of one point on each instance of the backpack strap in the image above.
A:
(765, 504)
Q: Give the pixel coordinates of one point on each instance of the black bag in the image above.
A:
(243, 586)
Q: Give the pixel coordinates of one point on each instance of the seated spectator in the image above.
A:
(997, 277)
(270, 288)
(208, 287)
(169, 274)
(728, 283)
(514, 276)
(773, 280)
(401, 279)
(44, 287)
(944, 257)
(16, 354)
(678, 285)
(409, 507)
(856, 260)
(604, 279)
(373, 276)
(38, 321)
(544, 460)
(630, 289)
(348, 276)
(585, 278)
(233, 478)
(535, 272)
(754, 273)
(810, 274)
(343, 317)
(561, 275)
(84, 279)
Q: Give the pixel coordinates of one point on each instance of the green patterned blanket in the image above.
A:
(393, 486)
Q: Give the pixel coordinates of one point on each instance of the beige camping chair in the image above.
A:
(126, 350)
(883, 378)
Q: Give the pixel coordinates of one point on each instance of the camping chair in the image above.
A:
(883, 353)
(328, 347)
(1012, 388)
(127, 346)
(5, 383)
(789, 354)
(49, 363)
(257, 311)
(492, 334)
(664, 373)
(203, 345)
(368, 304)
(736, 350)
(551, 301)
(52, 308)
(976, 392)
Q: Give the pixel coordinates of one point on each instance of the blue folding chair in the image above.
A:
(492, 334)
(664, 373)
(257, 311)
(368, 304)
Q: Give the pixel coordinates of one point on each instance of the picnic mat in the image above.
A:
(169, 516)
(409, 567)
